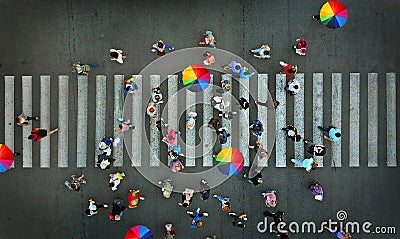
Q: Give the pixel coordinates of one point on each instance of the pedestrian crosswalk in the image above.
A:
(344, 153)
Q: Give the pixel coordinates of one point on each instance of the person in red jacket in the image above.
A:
(37, 134)
(301, 46)
(290, 70)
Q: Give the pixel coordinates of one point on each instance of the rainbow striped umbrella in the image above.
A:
(230, 161)
(139, 232)
(333, 14)
(196, 78)
(6, 158)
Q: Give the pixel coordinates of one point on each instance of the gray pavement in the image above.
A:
(46, 37)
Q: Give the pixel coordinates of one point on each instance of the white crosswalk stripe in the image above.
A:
(334, 116)
(354, 126)
(262, 114)
(26, 130)
(45, 120)
(9, 112)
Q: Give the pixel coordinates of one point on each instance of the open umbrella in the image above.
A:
(196, 77)
(333, 14)
(139, 232)
(6, 158)
(230, 161)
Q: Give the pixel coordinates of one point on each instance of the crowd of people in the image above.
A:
(175, 154)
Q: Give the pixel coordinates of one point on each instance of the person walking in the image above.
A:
(315, 149)
(222, 134)
(115, 180)
(256, 180)
(160, 124)
(37, 134)
(339, 234)
(75, 183)
(214, 123)
(83, 69)
(290, 70)
(167, 187)
(334, 133)
(209, 59)
(225, 85)
(187, 197)
(191, 120)
(317, 190)
(23, 119)
(238, 221)
(156, 96)
(116, 55)
(301, 46)
(262, 52)
(117, 210)
(204, 190)
(256, 127)
(93, 206)
(208, 39)
(129, 86)
(308, 164)
(197, 218)
(243, 103)
(124, 126)
(244, 73)
(151, 110)
(275, 103)
(291, 133)
(277, 216)
(234, 66)
(219, 104)
(225, 202)
(293, 87)
(159, 48)
(227, 115)
(260, 150)
(105, 145)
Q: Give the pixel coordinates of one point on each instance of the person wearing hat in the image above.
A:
(209, 59)
(156, 96)
(238, 221)
(187, 196)
(167, 187)
(244, 73)
(208, 40)
(151, 110)
(129, 86)
(105, 146)
(334, 133)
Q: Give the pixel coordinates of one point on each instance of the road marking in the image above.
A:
(45, 120)
(101, 102)
(280, 148)
(391, 119)
(299, 116)
(62, 121)
(137, 120)
(354, 127)
(154, 134)
(372, 120)
(207, 139)
(244, 122)
(26, 130)
(262, 115)
(9, 113)
(173, 102)
(82, 125)
(190, 153)
(118, 152)
(336, 149)
(318, 113)
(225, 122)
